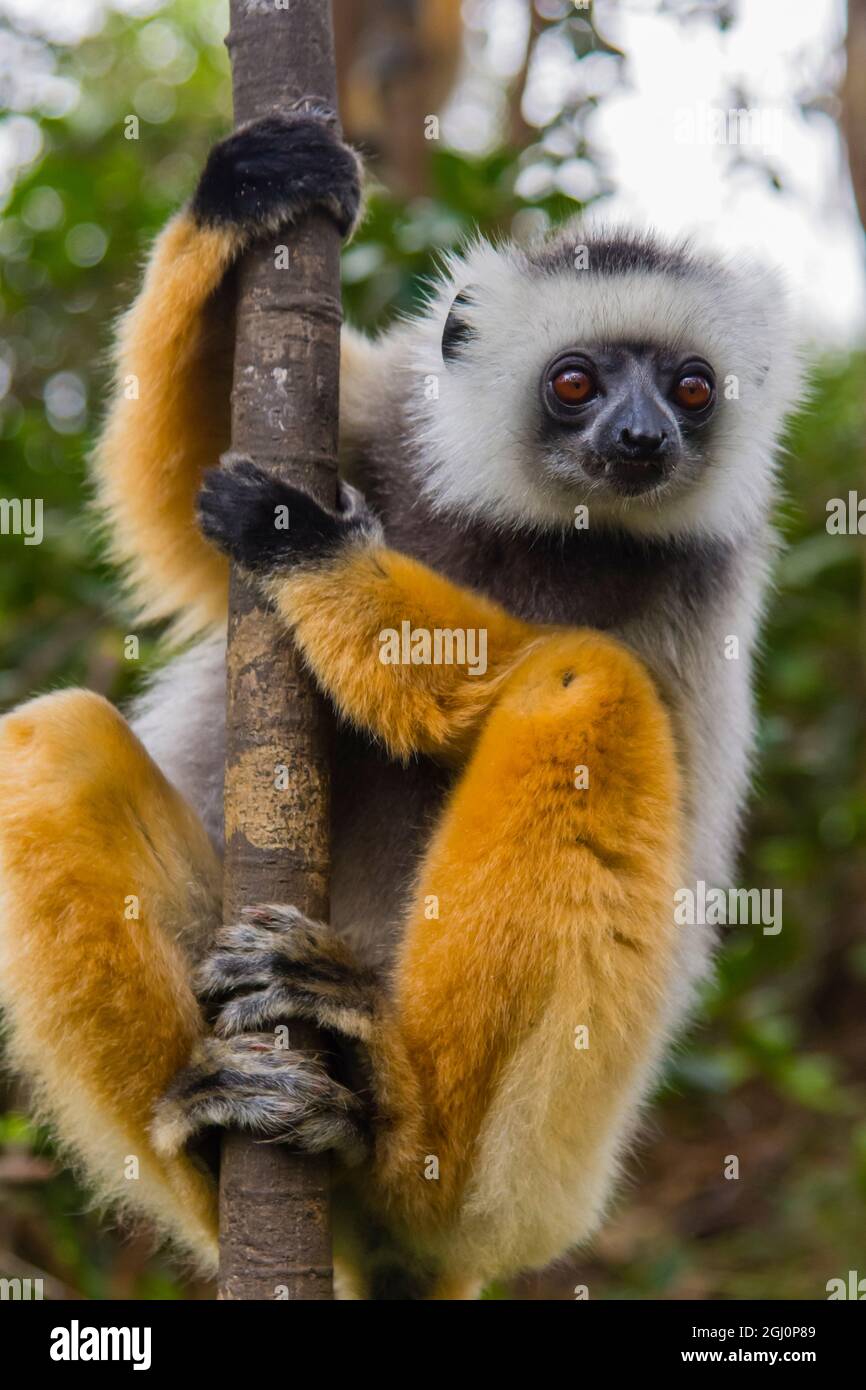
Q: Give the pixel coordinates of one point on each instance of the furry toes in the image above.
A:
(266, 525)
(276, 965)
(249, 1083)
(272, 171)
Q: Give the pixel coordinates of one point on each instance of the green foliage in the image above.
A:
(775, 1071)
(73, 236)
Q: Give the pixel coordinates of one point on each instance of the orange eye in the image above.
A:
(693, 392)
(573, 386)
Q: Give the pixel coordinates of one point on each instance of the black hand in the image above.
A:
(273, 170)
(266, 525)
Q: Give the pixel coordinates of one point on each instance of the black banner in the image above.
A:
(79, 1339)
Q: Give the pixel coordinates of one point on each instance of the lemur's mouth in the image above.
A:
(594, 476)
(635, 476)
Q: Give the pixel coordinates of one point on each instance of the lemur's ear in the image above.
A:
(457, 332)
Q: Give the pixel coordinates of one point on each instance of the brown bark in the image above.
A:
(274, 1226)
(397, 63)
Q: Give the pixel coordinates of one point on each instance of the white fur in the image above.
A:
(478, 444)
(180, 719)
(476, 447)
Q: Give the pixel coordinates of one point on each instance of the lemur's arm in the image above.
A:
(354, 606)
(169, 417)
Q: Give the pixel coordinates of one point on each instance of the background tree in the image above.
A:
(398, 62)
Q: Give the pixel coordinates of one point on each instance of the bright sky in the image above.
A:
(777, 51)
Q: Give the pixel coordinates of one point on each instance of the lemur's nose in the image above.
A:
(641, 442)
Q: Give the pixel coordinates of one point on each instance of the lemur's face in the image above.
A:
(627, 420)
(645, 390)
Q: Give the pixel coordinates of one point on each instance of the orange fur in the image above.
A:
(168, 422)
(538, 907)
(338, 611)
(99, 1002)
(554, 905)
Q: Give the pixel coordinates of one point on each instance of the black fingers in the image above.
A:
(276, 965)
(252, 1084)
(274, 170)
(266, 525)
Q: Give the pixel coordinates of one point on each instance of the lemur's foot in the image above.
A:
(275, 965)
(273, 170)
(252, 1084)
(266, 525)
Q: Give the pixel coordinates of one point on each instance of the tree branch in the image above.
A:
(274, 1228)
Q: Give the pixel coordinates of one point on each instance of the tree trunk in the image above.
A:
(398, 62)
(274, 1227)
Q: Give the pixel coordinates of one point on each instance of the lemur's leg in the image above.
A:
(527, 1008)
(543, 906)
(169, 418)
(105, 878)
(109, 889)
(530, 987)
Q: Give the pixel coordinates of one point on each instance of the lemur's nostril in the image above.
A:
(642, 443)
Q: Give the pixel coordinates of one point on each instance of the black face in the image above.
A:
(626, 417)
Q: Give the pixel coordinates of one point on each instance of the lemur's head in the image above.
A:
(646, 381)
